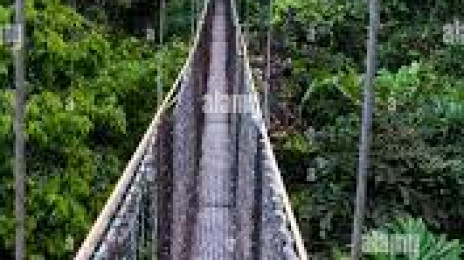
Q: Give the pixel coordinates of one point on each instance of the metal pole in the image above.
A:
(20, 164)
(364, 148)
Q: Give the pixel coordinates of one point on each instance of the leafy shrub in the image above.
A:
(415, 241)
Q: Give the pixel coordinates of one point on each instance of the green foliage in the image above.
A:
(91, 96)
(6, 187)
(417, 156)
(406, 238)
(420, 241)
(92, 93)
(417, 136)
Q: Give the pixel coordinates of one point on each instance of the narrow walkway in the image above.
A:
(214, 230)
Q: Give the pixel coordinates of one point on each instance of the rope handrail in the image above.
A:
(118, 201)
(299, 242)
(116, 198)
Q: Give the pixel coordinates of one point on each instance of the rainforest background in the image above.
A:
(91, 76)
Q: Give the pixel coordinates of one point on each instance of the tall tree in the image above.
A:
(20, 165)
(366, 129)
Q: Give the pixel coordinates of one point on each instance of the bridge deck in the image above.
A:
(214, 230)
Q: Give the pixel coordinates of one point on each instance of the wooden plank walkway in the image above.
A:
(214, 238)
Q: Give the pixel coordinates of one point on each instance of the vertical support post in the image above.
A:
(246, 23)
(20, 161)
(259, 215)
(193, 10)
(366, 129)
(267, 81)
(153, 198)
(160, 62)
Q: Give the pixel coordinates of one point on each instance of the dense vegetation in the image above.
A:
(91, 84)
(318, 65)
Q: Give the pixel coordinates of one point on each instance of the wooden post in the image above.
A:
(267, 112)
(160, 62)
(366, 129)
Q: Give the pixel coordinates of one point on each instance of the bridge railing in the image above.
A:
(277, 222)
(126, 227)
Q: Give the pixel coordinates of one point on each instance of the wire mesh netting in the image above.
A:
(182, 201)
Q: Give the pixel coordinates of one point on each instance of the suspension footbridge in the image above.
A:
(203, 183)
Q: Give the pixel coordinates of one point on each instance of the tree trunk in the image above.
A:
(364, 148)
(20, 164)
